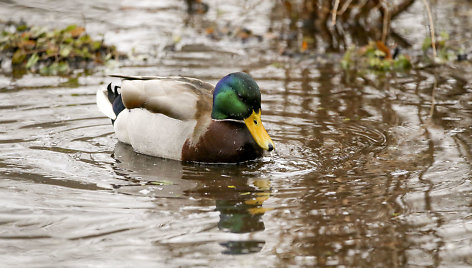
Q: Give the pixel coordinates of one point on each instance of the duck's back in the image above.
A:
(180, 98)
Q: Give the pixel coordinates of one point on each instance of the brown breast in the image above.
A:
(224, 141)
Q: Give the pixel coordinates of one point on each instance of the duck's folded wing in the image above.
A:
(176, 98)
(202, 85)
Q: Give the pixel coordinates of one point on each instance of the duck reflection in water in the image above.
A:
(238, 200)
(242, 213)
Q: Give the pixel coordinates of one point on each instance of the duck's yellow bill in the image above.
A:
(258, 132)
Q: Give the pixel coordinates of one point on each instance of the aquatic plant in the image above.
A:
(375, 56)
(378, 57)
(444, 50)
(52, 52)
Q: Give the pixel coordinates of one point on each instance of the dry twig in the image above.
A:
(334, 11)
(386, 21)
(431, 27)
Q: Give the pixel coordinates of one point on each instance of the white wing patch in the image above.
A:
(104, 104)
(152, 133)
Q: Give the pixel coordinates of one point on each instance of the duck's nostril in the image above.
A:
(271, 147)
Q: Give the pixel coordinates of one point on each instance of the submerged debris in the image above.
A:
(196, 7)
(52, 52)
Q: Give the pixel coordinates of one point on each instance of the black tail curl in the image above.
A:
(115, 99)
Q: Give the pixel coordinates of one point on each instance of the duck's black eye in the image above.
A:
(255, 122)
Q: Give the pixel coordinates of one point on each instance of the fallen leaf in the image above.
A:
(27, 44)
(77, 31)
(382, 47)
(32, 60)
(18, 56)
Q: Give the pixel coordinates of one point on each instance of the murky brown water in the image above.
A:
(368, 171)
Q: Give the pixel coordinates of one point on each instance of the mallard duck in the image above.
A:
(188, 119)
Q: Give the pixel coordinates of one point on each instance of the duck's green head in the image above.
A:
(237, 97)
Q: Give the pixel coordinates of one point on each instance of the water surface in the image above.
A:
(368, 171)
